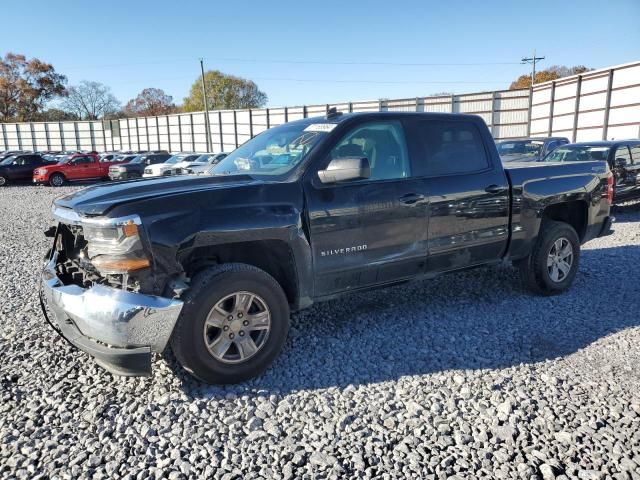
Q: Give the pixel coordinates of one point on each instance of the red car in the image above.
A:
(79, 166)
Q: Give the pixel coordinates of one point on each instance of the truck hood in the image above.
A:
(99, 199)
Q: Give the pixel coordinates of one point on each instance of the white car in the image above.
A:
(171, 167)
(204, 163)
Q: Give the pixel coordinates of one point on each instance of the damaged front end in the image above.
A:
(96, 283)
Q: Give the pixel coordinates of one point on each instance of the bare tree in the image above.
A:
(90, 100)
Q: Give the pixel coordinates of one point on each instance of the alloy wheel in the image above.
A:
(560, 259)
(237, 327)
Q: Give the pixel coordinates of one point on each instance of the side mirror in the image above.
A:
(344, 169)
(620, 162)
(147, 161)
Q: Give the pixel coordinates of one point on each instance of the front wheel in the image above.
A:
(56, 180)
(3, 181)
(233, 324)
(552, 265)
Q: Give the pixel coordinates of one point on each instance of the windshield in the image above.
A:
(206, 158)
(139, 159)
(66, 159)
(8, 160)
(578, 153)
(521, 148)
(177, 158)
(274, 152)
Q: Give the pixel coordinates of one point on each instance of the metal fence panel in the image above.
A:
(593, 105)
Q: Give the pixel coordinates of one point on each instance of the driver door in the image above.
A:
(79, 168)
(370, 231)
(24, 168)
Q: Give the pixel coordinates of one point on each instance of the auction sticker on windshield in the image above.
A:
(320, 127)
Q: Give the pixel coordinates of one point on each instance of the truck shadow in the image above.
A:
(479, 319)
(627, 212)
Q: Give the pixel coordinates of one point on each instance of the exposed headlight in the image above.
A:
(114, 245)
(39, 171)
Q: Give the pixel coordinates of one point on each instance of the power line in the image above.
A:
(292, 62)
(333, 80)
(532, 61)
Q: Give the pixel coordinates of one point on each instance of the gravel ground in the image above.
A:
(466, 376)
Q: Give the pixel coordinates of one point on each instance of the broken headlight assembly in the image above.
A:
(114, 246)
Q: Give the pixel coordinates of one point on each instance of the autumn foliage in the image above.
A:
(551, 73)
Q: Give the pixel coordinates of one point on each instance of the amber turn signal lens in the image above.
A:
(130, 229)
(121, 265)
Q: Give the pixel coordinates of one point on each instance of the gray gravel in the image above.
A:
(466, 376)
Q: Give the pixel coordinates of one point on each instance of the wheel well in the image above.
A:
(574, 213)
(272, 256)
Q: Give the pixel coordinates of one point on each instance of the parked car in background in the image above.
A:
(9, 153)
(528, 149)
(170, 166)
(79, 166)
(135, 167)
(204, 163)
(307, 211)
(16, 168)
(109, 156)
(622, 156)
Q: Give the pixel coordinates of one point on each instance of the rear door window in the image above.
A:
(449, 148)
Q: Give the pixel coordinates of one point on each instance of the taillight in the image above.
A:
(610, 187)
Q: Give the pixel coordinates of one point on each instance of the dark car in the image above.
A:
(528, 149)
(19, 168)
(135, 167)
(304, 212)
(622, 156)
(10, 153)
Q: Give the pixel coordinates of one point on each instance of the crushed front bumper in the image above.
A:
(119, 329)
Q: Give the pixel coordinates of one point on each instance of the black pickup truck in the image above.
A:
(304, 212)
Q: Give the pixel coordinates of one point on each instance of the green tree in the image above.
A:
(552, 73)
(54, 115)
(150, 102)
(224, 92)
(26, 86)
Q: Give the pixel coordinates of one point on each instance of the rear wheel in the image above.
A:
(552, 265)
(56, 180)
(233, 324)
(3, 181)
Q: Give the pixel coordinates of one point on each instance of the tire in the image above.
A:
(539, 272)
(3, 181)
(218, 288)
(56, 180)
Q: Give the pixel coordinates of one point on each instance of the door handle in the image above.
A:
(495, 189)
(411, 198)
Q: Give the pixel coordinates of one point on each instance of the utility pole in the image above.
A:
(532, 61)
(207, 126)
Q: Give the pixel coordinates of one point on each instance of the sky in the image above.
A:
(315, 52)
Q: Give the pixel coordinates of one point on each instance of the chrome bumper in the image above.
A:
(119, 328)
